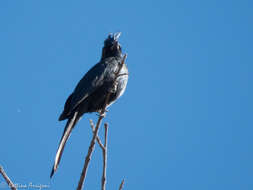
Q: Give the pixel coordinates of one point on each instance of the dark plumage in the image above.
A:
(91, 91)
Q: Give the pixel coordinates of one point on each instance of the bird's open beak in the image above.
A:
(116, 36)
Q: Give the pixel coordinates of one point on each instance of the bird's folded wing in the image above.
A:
(91, 81)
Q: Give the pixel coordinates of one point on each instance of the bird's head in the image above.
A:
(111, 47)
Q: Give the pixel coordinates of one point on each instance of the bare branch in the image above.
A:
(104, 150)
(90, 151)
(7, 179)
(121, 185)
(106, 132)
(98, 139)
(92, 143)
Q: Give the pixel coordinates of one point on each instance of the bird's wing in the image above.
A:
(91, 81)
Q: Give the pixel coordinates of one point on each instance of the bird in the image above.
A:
(90, 93)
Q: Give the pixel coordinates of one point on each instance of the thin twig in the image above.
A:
(121, 185)
(104, 150)
(92, 143)
(7, 179)
(93, 130)
(90, 150)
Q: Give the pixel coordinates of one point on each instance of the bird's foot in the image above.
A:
(102, 114)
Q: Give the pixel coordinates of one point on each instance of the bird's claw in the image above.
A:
(102, 114)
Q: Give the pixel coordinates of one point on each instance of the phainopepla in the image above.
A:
(91, 91)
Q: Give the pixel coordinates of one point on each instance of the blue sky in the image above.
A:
(185, 120)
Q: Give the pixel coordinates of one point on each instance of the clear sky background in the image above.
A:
(185, 120)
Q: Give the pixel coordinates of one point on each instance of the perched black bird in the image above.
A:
(91, 91)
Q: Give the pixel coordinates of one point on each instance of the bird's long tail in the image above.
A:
(66, 133)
